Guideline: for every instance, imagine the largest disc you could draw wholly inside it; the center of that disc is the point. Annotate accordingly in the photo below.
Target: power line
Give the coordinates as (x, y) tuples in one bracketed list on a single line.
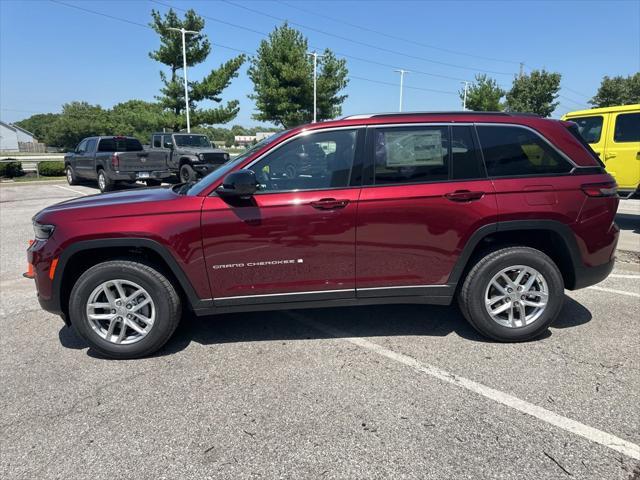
[(381, 82), (358, 42), (402, 39), (339, 54)]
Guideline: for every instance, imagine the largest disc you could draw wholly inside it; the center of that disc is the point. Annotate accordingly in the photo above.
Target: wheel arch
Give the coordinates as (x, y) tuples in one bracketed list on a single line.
[(85, 254), (549, 236)]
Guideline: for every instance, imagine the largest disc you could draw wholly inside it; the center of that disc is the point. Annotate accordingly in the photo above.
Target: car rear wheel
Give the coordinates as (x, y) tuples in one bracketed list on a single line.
[(124, 309), (187, 173), (71, 176), (512, 294), (105, 184)]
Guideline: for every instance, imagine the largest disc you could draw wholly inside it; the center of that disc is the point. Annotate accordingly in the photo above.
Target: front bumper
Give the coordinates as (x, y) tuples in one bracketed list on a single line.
[(205, 168)]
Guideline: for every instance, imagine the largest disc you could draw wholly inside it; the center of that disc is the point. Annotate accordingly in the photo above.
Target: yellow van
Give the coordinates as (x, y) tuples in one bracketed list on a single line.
[(614, 134)]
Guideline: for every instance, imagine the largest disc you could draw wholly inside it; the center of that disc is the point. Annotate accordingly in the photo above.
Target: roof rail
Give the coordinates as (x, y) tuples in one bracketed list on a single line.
[(465, 112)]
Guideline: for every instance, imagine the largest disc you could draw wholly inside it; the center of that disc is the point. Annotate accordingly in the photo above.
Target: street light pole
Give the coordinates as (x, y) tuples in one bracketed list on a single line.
[(184, 64), (315, 56), (401, 72), (464, 100)]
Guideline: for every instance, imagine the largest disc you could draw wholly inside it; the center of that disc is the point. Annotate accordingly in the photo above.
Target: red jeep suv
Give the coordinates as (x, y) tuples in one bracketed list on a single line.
[(501, 211)]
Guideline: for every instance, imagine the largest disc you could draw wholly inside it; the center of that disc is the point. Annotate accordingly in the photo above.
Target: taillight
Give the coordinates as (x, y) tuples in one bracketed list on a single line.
[(115, 161), (604, 189)]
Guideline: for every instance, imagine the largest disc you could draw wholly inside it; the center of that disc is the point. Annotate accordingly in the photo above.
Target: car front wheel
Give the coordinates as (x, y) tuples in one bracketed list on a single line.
[(71, 176), (187, 173), (124, 309), (512, 294)]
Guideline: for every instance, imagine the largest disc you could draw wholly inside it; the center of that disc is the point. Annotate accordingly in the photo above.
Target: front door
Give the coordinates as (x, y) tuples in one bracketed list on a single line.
[(295, 239), (425, 193), (622, 155)]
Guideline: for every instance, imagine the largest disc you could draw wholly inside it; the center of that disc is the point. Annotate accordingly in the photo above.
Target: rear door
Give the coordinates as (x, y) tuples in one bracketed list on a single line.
[(622, 155), (425, 193), (78, 155), (294, 240), (87, 161)]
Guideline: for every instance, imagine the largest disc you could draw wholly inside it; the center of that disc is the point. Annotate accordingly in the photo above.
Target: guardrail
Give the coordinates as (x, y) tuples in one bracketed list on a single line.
[(30, 163)]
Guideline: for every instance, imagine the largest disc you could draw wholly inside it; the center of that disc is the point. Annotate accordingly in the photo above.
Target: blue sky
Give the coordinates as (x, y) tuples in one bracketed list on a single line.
[(51, 54)]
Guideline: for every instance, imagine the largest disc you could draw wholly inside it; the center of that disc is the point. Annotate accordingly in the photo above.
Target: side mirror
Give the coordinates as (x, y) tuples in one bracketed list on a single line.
[(240, 184)]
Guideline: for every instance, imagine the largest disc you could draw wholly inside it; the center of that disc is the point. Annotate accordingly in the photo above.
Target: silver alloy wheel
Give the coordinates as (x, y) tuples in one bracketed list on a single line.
[(516, 296), (102, 182), (69, 176), (120, 311)]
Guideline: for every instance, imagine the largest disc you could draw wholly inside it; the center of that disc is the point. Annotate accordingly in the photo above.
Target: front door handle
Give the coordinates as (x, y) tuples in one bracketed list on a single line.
[(609, 155), (329, 204), (464, 196)]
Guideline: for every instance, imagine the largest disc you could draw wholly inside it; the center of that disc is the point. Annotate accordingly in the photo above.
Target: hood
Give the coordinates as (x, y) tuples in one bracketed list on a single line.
[(114, 199)]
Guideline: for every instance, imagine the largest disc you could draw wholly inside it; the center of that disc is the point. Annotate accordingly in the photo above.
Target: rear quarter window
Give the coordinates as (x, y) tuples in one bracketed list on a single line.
[(511, 151)]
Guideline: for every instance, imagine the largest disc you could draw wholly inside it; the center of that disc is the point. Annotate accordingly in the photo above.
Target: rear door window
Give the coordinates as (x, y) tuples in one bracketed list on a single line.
[(517, 151), (91, 145), (411, 155), (590, 128), (627, 128), (157, 143)]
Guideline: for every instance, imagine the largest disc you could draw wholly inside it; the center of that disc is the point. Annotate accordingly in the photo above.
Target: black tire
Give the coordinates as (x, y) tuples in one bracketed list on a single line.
[(105, 184), (162, 292), (153, 183), (471, 297), (187, 173), (72, 179)]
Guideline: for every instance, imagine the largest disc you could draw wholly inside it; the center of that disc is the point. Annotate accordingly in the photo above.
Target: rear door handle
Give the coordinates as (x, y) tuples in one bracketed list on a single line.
[(464, 196), (329, 204)]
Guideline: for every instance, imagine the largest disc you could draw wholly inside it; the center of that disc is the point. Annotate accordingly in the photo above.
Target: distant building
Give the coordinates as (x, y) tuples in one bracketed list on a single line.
[(244, 139), (16, 139), (263, 135)]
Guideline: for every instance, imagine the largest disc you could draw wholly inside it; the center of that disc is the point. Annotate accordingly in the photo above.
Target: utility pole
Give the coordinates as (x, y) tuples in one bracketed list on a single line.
[(401, 72), (315, 56), (521, 70), (464, 100), (184, 63)]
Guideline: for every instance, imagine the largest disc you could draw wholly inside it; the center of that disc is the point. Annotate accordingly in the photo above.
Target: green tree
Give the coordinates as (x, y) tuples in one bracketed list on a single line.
[(617, 91), (137, 118), (197, 49), (534, 93), (39, 124), (78, 120), (484, 95), (282, 75)]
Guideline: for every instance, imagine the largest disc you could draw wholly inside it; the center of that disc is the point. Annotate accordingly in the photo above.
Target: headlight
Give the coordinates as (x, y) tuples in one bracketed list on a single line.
[(43, 232), (201, 157), (226, 156)]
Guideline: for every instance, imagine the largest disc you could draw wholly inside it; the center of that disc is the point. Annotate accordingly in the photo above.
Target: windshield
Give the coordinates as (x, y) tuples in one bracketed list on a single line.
[(225, 168), (192, 141)]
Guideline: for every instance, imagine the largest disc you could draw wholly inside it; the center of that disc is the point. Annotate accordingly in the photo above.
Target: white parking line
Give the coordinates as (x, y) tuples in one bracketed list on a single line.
[(620, 275), (71, 190), (613, 290), (592, 434)]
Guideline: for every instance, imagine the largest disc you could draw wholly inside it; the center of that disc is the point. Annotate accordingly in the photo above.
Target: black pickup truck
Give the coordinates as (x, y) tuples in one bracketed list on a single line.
[(188, 155), (114, 159)]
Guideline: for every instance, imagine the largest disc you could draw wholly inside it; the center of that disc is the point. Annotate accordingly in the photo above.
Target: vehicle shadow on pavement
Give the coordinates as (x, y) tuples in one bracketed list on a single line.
[(627, 221), (370, 321)]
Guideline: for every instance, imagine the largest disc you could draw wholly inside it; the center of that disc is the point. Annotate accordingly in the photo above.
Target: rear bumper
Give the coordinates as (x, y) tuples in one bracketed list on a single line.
[(587, 276), (140, 175)]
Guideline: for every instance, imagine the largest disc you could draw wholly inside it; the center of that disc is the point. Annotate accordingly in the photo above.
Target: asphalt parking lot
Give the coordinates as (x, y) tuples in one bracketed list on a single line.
[(376, 392)]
